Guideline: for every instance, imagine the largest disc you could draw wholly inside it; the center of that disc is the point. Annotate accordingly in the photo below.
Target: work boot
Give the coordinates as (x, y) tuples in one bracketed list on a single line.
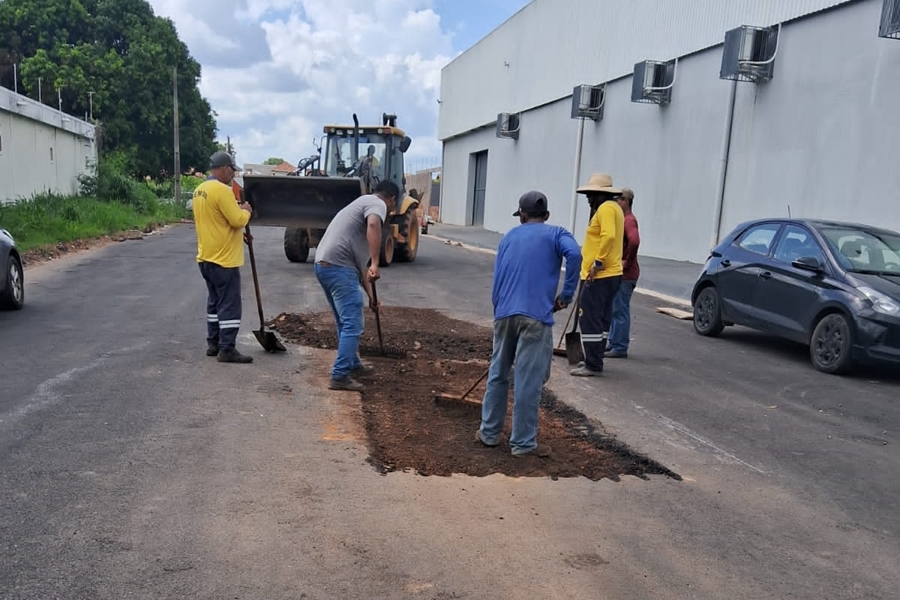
[(346, 384), (231, 355), (583, 371), (484, 443), (615, 354), (212, 349), (540, 451), (364, 369)]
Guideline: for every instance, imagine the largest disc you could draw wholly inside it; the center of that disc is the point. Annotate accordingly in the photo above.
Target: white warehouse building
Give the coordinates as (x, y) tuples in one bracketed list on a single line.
[(795, 112)]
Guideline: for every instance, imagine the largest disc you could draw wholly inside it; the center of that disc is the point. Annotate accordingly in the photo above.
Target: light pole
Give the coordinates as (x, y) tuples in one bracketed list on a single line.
[(177, 188)]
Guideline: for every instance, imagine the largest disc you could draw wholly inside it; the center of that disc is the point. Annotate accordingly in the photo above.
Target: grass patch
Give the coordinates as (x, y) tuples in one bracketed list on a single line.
[(49, 218)]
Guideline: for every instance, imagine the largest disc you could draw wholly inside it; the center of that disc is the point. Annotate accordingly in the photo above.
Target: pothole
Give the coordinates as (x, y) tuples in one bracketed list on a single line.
[(408, 431)]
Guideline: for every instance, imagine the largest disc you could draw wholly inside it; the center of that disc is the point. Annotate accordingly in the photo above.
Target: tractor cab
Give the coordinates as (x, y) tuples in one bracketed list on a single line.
[(372, 153)]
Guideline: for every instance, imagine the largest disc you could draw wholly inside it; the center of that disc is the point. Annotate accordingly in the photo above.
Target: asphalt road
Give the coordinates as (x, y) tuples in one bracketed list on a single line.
[(132, 466)]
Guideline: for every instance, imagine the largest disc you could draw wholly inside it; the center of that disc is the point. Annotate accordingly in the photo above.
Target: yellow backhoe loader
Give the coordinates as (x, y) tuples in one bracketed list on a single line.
[(355, 159)]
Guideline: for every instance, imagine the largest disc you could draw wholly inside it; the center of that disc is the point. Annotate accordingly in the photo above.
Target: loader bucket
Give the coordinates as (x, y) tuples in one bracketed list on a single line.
[(284, 201)]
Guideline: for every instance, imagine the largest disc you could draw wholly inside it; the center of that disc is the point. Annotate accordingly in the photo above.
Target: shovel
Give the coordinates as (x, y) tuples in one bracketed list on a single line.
[(266, 339), (558, 350), (381, 350), (574, 349)]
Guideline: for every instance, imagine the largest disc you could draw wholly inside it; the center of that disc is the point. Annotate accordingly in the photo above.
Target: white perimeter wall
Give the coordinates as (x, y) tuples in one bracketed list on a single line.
[(820, 137), (26, 164)]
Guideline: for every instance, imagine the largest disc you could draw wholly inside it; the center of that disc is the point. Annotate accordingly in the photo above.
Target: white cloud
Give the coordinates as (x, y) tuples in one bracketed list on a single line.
[(276, 71)]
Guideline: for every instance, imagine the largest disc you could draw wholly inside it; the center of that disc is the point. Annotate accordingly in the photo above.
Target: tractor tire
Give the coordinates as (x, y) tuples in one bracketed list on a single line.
[(407, 251), (387, 251), (296, 244)]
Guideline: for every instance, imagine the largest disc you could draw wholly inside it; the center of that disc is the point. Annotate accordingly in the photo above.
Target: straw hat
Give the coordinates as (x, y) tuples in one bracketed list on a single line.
[(599, 182)]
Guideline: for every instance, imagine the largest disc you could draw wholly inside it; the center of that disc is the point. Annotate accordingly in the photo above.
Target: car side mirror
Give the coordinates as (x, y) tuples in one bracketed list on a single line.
[(808, 263), (405, 143)]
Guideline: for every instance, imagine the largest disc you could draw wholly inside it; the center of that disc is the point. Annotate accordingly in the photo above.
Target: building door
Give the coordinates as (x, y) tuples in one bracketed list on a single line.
[(480, 188)]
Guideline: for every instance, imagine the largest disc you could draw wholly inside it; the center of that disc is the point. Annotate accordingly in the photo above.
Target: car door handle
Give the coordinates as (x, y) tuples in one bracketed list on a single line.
[(725, 263), (766, 274)]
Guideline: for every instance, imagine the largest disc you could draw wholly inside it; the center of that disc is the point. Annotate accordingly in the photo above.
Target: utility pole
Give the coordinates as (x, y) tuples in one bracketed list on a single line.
[(579, 141), (91, 104), (177, 142), (15, 78), (59, 91), (40, 99)]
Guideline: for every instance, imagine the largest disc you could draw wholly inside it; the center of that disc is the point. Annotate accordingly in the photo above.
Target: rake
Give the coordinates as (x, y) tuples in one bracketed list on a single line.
[(380, 349)]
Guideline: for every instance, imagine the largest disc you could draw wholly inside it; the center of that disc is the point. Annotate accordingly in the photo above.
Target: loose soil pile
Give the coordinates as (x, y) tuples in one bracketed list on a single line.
[(407, 429)]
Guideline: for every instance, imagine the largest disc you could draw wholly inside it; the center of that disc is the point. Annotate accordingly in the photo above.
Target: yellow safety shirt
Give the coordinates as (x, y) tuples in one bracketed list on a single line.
[(219, 222), (603, 241)]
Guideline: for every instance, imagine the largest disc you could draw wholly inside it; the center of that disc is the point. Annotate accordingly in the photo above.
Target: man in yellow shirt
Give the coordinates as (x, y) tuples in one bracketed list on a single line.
[(601, 270), (219, 221)]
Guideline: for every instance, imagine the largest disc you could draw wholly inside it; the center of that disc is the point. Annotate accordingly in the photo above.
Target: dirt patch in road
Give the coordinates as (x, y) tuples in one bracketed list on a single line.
[(408, 430)]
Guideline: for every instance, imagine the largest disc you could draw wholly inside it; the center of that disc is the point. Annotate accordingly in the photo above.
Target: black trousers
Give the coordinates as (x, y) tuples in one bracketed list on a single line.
[(223, 303), (595, 316)]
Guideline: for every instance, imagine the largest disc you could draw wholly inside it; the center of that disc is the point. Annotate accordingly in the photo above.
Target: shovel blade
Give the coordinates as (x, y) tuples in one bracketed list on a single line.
[(268, 341), (574, 349)]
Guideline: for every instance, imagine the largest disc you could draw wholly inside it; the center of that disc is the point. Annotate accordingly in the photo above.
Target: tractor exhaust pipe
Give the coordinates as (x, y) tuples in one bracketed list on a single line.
[(355, 151)]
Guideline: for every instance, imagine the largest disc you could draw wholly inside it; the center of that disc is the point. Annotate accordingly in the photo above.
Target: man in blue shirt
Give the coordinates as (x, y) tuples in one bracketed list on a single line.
[(526, 277)]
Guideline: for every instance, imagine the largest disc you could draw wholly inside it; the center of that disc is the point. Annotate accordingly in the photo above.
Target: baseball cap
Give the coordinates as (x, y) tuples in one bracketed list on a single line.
[(222, 159), (532, 203)]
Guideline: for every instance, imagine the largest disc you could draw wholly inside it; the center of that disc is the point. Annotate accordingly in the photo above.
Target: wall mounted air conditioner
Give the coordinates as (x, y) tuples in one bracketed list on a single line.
[(749, 53), (508, 125), (653, 81), (588, 101), (890, 20)]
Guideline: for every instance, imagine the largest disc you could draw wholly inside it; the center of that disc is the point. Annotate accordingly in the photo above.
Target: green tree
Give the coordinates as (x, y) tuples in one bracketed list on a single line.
[(114, 58), (273, 161)]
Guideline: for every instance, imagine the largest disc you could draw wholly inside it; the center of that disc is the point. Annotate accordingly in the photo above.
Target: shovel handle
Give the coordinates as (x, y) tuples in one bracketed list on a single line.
[(577, 306), (255, 279), (377, 318), (565, 327)]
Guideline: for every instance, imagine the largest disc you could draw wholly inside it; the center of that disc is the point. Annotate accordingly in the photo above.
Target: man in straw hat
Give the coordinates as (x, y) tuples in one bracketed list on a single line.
[(526, 277), (601, 270)]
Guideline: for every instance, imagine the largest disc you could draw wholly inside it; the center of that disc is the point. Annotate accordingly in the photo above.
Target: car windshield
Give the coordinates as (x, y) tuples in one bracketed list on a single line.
[(339, 153), (862, 251)]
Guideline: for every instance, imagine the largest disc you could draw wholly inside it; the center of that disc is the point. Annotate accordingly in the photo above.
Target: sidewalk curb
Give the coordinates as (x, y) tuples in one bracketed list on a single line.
[(458, 244), (639, 290)]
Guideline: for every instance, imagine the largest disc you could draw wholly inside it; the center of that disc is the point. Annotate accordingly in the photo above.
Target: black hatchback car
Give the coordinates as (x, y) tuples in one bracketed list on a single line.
[(832, 285), (12, 280)]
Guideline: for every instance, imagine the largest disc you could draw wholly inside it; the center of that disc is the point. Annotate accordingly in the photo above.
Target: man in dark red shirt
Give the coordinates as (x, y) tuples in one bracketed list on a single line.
[(620, 327)]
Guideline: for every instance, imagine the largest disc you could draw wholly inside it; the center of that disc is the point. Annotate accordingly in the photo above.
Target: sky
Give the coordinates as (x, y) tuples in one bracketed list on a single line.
[(276, 71)]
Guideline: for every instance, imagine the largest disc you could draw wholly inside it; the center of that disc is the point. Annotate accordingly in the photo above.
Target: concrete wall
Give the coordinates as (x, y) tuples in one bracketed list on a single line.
[(550, 46), (819, 137), (823, 135), (37, 155)]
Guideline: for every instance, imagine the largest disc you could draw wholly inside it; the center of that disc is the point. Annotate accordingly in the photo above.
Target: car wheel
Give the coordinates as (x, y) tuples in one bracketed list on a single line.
[(708, 313), (14, 295), (831, 346)]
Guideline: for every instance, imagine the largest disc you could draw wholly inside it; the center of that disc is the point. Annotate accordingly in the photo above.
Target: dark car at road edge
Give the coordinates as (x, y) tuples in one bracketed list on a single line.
[(829, 284), (12, 275)]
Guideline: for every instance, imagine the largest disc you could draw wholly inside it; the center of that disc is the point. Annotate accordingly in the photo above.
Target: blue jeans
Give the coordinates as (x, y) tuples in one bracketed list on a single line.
[(345, 296), (529, 344), (620, 326)]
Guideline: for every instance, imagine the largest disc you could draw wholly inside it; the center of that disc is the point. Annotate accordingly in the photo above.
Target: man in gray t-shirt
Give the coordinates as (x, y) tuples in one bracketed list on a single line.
[(347, 256)]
